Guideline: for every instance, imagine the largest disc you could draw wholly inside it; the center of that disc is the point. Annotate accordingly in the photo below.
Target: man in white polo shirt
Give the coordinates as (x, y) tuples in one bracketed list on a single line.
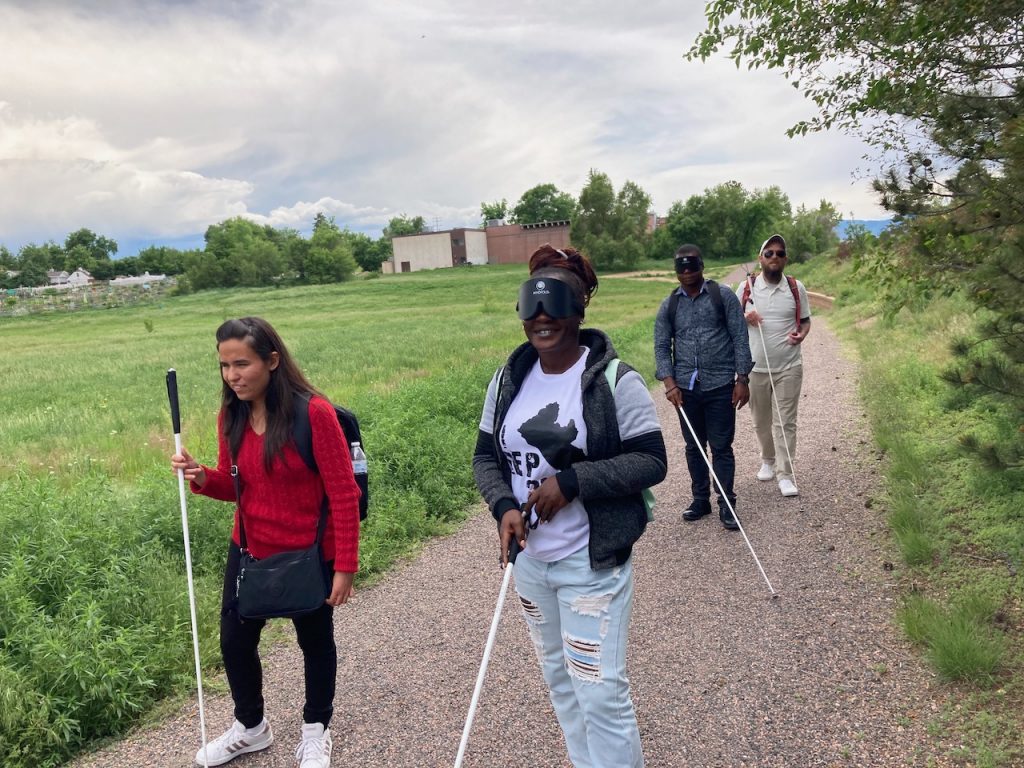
[(778, 320)]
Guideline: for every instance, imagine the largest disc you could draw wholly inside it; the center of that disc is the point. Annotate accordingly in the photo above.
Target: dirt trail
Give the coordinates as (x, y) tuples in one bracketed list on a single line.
[(722, 674)]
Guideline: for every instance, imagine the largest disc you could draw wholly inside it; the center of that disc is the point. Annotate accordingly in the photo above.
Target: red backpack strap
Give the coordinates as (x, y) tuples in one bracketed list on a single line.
[(747, 284), (796, 298)]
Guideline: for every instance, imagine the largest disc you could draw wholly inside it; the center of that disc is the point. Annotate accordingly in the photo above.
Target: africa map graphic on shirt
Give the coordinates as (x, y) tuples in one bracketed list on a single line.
[(552, 439)]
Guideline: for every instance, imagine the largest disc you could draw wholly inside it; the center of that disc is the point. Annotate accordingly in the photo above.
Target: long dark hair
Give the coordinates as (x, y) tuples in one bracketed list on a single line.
[(286, 382)]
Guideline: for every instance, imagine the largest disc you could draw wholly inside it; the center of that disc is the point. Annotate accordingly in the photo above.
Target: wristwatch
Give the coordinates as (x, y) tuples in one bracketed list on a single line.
[(742, 378)]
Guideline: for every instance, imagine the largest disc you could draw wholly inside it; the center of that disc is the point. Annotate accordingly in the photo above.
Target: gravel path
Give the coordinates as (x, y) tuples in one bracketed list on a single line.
[(722, 674)]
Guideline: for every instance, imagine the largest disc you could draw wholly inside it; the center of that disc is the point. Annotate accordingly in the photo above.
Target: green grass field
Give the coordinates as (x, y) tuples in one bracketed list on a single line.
[(94, 626)]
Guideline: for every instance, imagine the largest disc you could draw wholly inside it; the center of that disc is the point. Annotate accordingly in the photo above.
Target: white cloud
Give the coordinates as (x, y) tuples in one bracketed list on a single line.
[(163, 118)]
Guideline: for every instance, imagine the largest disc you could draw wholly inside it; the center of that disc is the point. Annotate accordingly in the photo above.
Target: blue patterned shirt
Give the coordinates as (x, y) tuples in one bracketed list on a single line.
[(708, 351)]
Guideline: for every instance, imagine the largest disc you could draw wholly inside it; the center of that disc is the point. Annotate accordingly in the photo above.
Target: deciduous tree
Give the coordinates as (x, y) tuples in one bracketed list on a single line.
[(330, 257), (238, 252), (85, 249), (496, 210), (726, 221), (34, 261), (611, 228), (811, 231), (544, 202)]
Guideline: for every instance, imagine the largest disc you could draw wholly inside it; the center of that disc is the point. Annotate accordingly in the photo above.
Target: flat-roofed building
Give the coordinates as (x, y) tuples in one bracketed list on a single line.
[(435, 250), (513, 243)]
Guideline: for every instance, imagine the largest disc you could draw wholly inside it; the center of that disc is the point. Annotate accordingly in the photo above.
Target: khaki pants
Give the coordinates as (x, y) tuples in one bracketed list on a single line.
[(768, 426)]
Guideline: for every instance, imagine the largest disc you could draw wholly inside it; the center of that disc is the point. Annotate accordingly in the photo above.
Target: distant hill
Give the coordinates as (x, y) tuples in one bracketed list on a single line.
[(874, 226)]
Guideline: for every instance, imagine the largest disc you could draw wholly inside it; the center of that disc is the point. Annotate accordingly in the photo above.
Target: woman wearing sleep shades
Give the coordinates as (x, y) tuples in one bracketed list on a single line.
[(562, 458)]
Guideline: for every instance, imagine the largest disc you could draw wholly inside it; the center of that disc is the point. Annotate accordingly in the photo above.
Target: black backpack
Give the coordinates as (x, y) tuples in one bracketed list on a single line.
[(302, 434)]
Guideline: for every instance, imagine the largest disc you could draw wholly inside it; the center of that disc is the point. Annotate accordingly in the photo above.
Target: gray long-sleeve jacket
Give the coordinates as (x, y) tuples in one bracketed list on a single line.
[(625, 449), (705, 347)]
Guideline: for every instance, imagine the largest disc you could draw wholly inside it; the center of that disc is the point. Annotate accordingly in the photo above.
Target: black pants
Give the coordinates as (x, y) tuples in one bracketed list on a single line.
[(714, 420), (239, 647)]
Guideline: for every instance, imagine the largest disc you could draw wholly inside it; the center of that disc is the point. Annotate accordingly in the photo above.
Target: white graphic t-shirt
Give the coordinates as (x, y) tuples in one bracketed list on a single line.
[(543, 433)]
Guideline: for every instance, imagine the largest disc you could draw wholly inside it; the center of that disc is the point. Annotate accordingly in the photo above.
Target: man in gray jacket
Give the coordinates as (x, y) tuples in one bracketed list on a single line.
[(702, 355)]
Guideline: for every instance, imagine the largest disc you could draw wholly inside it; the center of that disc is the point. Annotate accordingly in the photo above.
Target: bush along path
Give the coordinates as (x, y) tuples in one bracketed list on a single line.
[(722, 675)]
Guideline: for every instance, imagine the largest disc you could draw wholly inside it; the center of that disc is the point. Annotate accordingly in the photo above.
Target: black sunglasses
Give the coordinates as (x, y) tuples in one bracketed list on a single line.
[(768, 254)]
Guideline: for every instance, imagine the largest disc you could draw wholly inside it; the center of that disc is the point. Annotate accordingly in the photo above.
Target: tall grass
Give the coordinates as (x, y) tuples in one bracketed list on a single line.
[(94, 624), (958, 525), (959, 640)]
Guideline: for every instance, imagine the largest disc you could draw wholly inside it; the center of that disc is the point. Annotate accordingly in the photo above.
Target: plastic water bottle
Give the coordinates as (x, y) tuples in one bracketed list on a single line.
[(358, 459)]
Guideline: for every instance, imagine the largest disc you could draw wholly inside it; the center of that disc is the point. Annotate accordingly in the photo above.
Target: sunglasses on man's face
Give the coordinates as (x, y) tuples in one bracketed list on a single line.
[(769, 253)]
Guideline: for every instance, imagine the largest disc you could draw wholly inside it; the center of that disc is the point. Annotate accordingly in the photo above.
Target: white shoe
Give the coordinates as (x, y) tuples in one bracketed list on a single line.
[(315, 748), (235, 741), (788, 488), (767, 471)]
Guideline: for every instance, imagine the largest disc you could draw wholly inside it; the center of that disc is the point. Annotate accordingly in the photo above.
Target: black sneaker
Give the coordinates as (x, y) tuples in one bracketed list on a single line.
[(697, 509), (728, 520)]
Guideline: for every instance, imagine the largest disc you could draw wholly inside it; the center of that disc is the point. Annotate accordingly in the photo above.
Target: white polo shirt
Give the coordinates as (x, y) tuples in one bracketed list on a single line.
[(778, 312)]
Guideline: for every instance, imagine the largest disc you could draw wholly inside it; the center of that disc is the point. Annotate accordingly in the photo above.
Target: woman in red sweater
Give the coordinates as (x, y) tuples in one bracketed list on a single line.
[(281, 498)]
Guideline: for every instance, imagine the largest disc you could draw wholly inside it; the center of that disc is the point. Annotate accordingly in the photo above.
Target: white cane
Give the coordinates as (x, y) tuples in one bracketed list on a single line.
[(172, 396), (725, 496), (513, 550)]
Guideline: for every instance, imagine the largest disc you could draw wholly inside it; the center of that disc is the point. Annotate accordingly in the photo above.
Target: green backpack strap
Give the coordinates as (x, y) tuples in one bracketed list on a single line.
[(611, 374)]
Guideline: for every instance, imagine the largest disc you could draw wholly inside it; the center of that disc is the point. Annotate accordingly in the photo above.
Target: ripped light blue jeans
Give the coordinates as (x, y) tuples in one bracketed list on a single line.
[(579, 621)]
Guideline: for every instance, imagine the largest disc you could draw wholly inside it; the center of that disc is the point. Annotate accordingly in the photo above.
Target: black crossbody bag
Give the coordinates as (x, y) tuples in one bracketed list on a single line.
[(287, 584)]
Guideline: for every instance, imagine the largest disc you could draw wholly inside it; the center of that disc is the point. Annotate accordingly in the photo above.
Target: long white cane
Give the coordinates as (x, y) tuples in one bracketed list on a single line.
[(725, 496), (172, 396), (513, 550)]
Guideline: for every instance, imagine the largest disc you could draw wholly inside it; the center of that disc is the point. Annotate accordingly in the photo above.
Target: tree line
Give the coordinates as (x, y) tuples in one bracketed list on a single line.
[(727, 221), (237, 252)]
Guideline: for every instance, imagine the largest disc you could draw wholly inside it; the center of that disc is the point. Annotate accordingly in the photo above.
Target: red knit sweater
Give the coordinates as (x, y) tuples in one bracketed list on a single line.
[(282, 508)]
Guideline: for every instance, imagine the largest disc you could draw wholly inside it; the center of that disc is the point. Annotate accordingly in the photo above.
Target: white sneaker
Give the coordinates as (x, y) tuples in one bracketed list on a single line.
[(315, 748), (767, 471), (788, 488), (235, 741)]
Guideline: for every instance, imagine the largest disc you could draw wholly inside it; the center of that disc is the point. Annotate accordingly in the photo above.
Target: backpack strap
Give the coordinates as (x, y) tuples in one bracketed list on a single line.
[(796, 298), (793, 288), (715, 293), (302, 431), (611, 375)]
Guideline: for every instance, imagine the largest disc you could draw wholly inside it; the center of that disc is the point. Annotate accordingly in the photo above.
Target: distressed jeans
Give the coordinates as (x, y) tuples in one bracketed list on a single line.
[(579, 622)]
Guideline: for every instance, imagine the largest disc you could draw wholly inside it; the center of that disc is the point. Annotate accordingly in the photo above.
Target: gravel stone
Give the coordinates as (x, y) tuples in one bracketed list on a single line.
[(723, 674)]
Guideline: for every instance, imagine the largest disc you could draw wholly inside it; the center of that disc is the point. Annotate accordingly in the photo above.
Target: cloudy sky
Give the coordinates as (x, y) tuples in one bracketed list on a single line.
[(149, 121)]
